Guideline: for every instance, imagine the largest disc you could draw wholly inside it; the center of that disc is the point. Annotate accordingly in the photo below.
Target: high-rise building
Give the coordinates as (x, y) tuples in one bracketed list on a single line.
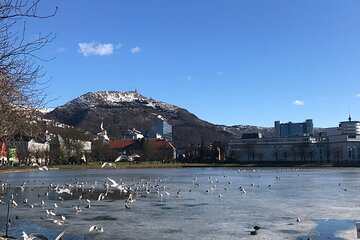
[(291, 129), (163, 129)]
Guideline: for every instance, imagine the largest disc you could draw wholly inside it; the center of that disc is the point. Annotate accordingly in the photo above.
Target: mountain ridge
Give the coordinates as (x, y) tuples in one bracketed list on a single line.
[(120, 111)]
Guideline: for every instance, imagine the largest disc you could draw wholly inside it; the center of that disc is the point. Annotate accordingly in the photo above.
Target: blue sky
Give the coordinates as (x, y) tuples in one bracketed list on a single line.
[(228, 62)]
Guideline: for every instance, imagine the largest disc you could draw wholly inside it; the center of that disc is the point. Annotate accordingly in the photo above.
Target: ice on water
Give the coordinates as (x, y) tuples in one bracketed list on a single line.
[(209, 205)]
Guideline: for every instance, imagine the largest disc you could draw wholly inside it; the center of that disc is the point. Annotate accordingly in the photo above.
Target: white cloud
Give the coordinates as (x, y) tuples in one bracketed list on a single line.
[(135, 50), (298, 103), (98, 49), (357, 95)]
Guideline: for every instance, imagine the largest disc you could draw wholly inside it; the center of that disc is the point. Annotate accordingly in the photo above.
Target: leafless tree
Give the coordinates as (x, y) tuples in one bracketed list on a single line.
[(275, 153), (285, 154), (22, 86)]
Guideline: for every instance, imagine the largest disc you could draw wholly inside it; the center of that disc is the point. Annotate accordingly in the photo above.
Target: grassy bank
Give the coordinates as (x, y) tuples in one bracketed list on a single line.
[(126, 165)]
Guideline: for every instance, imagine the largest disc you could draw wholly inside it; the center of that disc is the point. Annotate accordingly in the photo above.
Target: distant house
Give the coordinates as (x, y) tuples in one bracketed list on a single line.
[(213, 153), (132, 134), (38, 150), (125, 146), (164, 148)]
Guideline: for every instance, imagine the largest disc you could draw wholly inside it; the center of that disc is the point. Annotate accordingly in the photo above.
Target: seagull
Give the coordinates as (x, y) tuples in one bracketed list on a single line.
[(130, 199), (118, 159), (60, 235), (114, 184), (242, 189), (96, 229), (14, 203), (32, 236), (83, 158), (101, 196), (41, 237), (77, 209), (109, 164), (50, 212), (63, 190), (40, 168), (58, 222)]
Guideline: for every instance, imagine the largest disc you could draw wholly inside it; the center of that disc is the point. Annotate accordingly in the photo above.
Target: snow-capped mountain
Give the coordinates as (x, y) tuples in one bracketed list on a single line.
[(117, 99), (121, 111)]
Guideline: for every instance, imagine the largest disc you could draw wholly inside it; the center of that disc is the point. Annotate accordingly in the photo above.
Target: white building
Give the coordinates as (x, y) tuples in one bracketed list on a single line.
[(335, 144), (132, 134), (345, 141)]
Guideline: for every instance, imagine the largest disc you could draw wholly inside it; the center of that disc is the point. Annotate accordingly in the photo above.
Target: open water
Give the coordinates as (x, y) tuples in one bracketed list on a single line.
[(209, 205)]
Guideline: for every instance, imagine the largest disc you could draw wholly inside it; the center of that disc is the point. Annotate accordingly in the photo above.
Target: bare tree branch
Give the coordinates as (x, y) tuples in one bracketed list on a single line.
[(21, 88)]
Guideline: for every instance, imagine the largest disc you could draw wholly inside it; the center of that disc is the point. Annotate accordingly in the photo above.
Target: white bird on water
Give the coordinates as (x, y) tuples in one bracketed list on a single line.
[(39, 236), (44, 168), (96, 229), (114, 183), (101, 196)]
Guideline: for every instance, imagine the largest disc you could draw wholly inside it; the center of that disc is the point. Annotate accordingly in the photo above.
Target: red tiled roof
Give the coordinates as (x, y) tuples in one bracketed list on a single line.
[(160, 143), (121, 143)]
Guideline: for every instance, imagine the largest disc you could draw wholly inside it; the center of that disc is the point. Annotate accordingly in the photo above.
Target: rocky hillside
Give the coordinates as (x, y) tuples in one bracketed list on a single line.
[(120, 111)]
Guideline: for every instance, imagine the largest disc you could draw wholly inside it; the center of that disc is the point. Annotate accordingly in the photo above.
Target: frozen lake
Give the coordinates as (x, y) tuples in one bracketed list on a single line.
[(210, 204)]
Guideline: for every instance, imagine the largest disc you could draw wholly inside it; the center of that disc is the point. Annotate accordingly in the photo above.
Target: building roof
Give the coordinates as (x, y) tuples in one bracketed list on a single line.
[(121, 143), (160, 143)]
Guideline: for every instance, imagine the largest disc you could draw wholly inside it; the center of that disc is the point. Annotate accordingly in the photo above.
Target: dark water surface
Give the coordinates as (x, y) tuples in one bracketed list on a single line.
[(210, 204)]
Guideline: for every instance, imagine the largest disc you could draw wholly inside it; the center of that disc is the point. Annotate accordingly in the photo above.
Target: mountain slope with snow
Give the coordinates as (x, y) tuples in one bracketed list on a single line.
[(120, 111)]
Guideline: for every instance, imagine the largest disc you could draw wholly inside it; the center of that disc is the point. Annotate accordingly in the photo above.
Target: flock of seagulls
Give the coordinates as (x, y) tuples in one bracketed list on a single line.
[(84, 195)]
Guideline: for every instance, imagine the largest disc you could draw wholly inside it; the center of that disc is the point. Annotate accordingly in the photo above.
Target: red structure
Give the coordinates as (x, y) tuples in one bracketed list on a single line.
[(3, 153)]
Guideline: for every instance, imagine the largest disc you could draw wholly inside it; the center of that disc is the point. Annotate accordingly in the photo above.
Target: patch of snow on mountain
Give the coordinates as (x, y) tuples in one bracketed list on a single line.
[(128, 97), (116, 97), (113, 98), (45, 110)]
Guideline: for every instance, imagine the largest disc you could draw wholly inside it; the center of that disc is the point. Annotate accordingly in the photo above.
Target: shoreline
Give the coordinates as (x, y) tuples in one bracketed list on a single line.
[(186, 165)]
